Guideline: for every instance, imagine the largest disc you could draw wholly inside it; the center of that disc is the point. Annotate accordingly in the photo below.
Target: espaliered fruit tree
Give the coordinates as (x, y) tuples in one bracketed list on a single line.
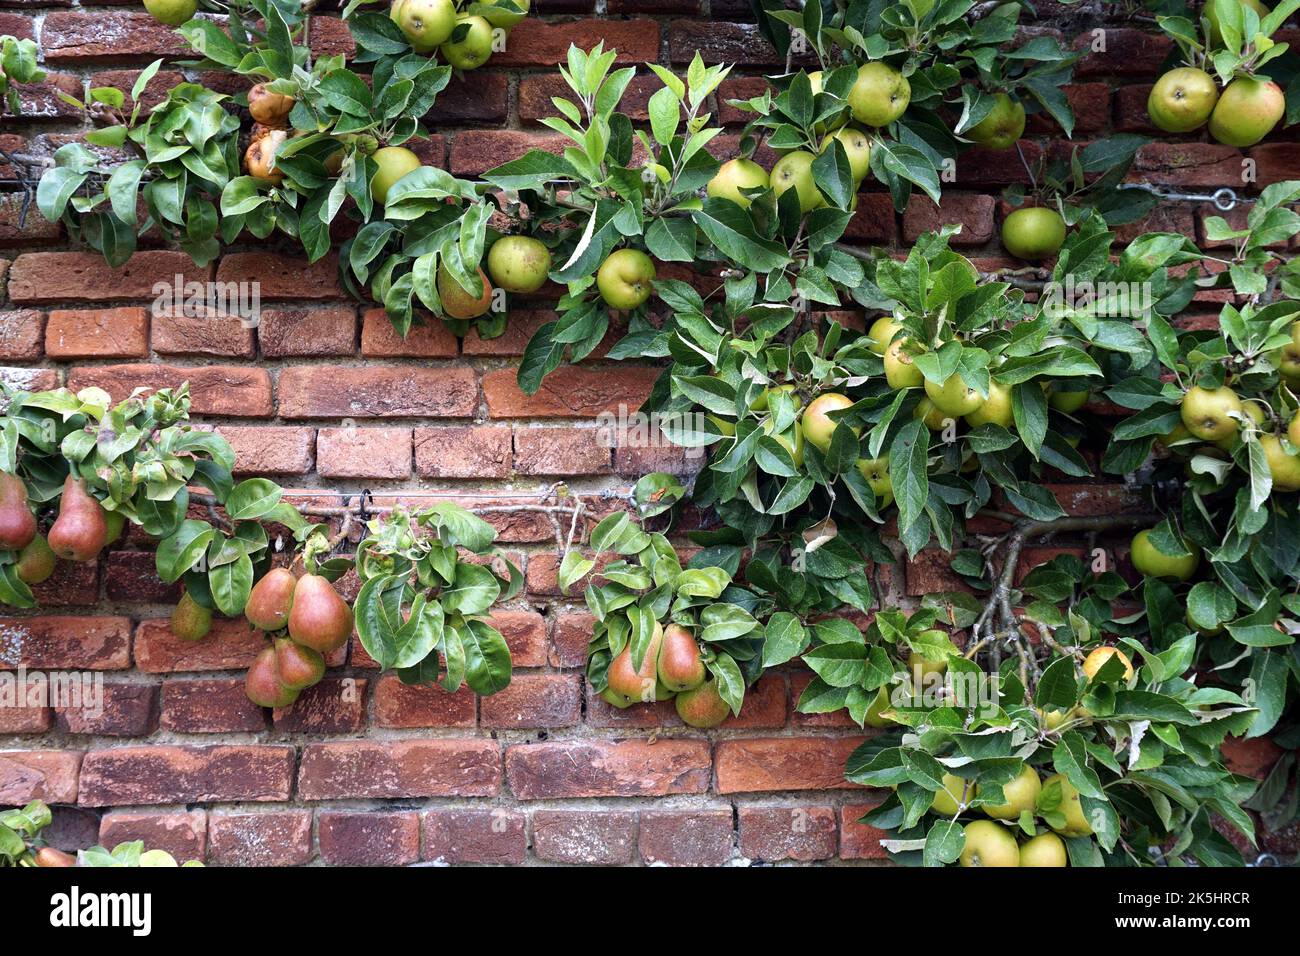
[(1059, 716)]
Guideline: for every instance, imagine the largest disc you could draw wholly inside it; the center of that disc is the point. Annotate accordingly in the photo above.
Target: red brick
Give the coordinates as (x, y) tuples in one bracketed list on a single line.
[(320, 391), (659, 454), (535, 700), (186, 775), (642, 716), (740, 44), (601, 768), (369, 839), (1091, 105), (283, 333), (398, 769), (1250, 757), (133, 576), (874, 221), (423, 705), (65, 643), (739, 88), (1128, 52), (84, 37), (97, 333), (839, 718), (474, 152), (525, 634), (283, 277), (78, 276), (280, 838), (210, 707), (1131, 110), (569, 392), (30, 379), (1188, 164), (337, 705), (860, 841), (34, 230), (214, 389), (155, 90), (271, 449), (21, 334), (72, 829), (41, 101), (128, 710), (364, 452), (479, 97), (429, 339), (182, 833), (589, 837), (475, 836), (569, 638), (764, 706), (330, 36), (462, 451), (534, 42), (535, 93), (783, 763), (686, 837), (73, 583), (990, 167), (1169, 217), (973, 212), (230, 645), (25, 707), (49, 775), (522, 326), (1091, 500), (770, 834), (930, 572), (561, 451), (1275, 162), (217, 335)]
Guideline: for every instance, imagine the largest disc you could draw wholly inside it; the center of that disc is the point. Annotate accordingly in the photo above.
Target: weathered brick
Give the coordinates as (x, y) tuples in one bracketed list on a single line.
[(369, 839), (600, 768), (787, 833), (363, 452), (534, 42), (86, 37), (73, 584), (182, 833), (126, 710), (133, 576), (783, 763), (589, 837), (561, 451), (397, 769), (569, 392), (215, 335), (24, 707), (49, 775), (428, 339), (971, 211), (283, 277), (84, 276), (1250, 757), (218, 706), (479, 97), (231, 644), (570, 635), (285, 333), (21, 335), (1275, 162), (97, 333), (475, 836), (318, 391), (525, 634), (271, 449), (279, 838), (463, 451), (54, 642), (686, 837), (186, 775), (1188, 164), (1121, 51), (737, 43), (422, 705), (535, 700), (29, 379), (860, 841), (474, 152), (238, 392), (334, 706)]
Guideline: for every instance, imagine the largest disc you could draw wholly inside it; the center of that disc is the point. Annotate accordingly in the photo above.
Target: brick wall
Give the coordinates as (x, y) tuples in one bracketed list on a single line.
[(323, 396)]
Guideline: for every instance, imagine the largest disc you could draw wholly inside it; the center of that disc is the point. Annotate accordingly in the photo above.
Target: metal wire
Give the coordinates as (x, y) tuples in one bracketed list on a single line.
[(1224, 199)]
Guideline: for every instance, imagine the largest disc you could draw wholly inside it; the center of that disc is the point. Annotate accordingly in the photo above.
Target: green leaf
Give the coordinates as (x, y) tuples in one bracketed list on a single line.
[(253, 498)]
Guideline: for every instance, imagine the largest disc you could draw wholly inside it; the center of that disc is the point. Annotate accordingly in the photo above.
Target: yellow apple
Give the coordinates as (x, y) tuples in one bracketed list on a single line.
[(794, 171), (1284, 468), (1151, 562), (989, 844), (954, 796), (879, 95), (876, 473), (996, 410), (857, 145), (900, 371), (953, 397), (625, 278), (1019, 795), (882, 333), (1046, 849), (734, 176), (1098, 657), (1076, 824), (817, 428), (1247, 111), (1182, 100), (1205, 412)]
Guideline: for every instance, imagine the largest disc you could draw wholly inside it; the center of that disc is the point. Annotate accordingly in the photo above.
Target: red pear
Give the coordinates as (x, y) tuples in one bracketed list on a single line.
[(80, 531), (636, 685), (17, 523), (269, 601), (703, 706), (263, 684), (48, 856), (680, 665), (320, 619), (300, 667)]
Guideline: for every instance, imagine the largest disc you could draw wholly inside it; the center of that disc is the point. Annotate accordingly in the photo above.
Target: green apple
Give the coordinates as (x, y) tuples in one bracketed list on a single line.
[(1033, 232), (876, 709), (172, 12), (1182, 100), (1207, 412), (1255, 412), (499, 16), (996, 410), (1068, 400), (791, 438), (817, 80), (882, 333), (875, 471), (426, 24), (1284, 468), (458, 302), (1097, 658), (760, 404), (1076, 824), (1051, 719), (900, 371), (1153, 563), (1002, 127), (1293, 430), (394, 162), (519, 263), (1247, 111), (473, 49), (953, 397), (1215, 36), (857, 145), (817, 428), (1046, 849), (933, 418), (625, 278), (989, 844), (794, 171), (1287, 360), (736, 175), (953, 797), (1019, 794), (879, 95)]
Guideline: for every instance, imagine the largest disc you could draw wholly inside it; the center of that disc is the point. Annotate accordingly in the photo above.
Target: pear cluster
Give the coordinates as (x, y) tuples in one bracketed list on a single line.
[(672, 668), (79, 532)]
